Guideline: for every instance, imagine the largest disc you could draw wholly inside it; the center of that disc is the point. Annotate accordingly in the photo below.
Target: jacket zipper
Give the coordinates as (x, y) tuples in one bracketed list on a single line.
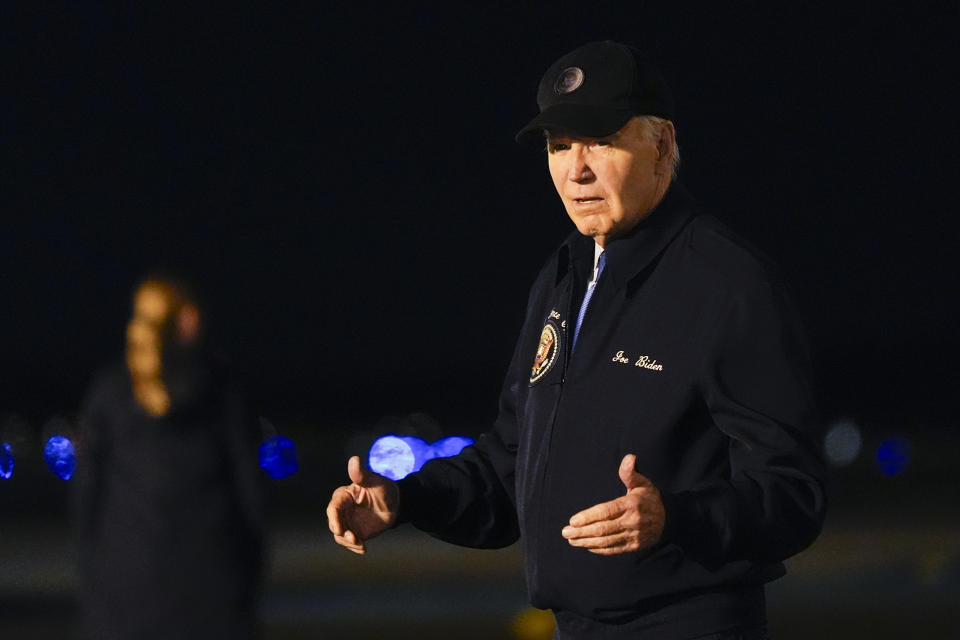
[(541, 480)]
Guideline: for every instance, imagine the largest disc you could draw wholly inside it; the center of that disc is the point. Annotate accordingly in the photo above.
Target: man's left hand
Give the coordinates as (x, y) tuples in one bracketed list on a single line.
[(630, 523)]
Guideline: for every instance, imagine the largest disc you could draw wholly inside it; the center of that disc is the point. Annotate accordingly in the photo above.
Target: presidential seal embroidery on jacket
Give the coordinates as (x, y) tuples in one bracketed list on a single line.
[(547, 351)]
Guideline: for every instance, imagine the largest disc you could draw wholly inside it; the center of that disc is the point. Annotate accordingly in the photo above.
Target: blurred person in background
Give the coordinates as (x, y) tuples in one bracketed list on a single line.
[(167, 499)]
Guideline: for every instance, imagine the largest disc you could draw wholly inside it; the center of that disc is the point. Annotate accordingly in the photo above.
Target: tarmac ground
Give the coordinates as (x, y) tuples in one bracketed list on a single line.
[(859, 580)]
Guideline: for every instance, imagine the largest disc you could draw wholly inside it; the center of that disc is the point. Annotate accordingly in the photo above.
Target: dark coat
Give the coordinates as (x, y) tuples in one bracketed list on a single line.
[(168, 513)]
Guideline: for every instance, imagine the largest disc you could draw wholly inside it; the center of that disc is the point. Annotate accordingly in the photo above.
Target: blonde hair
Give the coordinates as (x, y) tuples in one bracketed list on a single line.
[(156, 304)]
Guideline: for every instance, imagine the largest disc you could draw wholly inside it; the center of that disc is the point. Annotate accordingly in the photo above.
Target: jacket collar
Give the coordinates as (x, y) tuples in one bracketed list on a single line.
[(631, 254)]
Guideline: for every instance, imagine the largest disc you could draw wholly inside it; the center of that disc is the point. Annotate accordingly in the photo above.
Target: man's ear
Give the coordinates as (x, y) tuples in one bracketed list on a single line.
[(665, 144)]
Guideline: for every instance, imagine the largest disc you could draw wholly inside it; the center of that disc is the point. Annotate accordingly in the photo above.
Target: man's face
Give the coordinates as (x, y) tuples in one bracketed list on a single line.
[(609, 184)]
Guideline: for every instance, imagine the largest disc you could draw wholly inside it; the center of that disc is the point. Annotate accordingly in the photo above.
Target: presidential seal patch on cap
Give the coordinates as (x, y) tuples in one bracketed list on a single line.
[(569, 80), (547, 351)]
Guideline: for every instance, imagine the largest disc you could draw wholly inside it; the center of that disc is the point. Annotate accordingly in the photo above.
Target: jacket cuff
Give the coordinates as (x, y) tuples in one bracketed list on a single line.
[(413, 499), (682, 515)]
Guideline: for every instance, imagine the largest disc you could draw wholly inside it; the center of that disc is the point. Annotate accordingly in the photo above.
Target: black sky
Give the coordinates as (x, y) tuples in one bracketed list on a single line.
[(344, 186)]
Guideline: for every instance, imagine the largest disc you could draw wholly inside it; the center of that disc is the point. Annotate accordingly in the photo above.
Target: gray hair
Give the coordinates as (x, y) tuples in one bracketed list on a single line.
[(652, 128)]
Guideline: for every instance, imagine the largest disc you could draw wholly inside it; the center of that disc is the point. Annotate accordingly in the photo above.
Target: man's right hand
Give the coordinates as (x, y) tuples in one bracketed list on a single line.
[(363, 509)]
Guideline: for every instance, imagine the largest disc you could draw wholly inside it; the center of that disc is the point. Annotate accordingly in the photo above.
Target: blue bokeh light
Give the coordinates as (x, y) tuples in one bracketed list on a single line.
[(392, 457), (278, 457), (422, 452), (893, 455), (451, 446), (398, 456), (6, 461), (60, 456)]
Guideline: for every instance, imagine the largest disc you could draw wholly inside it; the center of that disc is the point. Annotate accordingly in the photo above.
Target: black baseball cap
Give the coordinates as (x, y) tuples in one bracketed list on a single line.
[(595, 89)]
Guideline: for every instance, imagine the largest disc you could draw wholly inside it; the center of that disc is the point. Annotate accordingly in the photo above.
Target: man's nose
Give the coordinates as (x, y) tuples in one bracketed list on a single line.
[(579, 169)]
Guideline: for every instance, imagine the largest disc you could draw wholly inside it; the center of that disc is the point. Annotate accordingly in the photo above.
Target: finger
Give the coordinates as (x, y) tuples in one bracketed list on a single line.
[(345, 541), (616, 550), (353, 540), (629, 476), (338, 500), (602, 542), (597, 529), (333, 520), (597, 513), (628, 465), (355, 471), (350, 544), (341, 497)]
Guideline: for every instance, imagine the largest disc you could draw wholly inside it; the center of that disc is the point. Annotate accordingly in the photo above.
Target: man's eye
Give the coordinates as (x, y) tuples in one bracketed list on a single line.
[(557, 146), (602, 143)]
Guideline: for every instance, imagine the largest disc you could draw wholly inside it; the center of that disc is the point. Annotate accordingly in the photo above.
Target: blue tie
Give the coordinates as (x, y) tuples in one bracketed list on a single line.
[(601, 261)]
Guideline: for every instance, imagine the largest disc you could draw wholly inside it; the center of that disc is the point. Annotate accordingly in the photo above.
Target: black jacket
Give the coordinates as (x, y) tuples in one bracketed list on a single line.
[(691, 357)]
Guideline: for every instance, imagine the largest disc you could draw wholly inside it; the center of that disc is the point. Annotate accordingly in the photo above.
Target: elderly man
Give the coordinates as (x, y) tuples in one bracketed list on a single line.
[(655, 448)]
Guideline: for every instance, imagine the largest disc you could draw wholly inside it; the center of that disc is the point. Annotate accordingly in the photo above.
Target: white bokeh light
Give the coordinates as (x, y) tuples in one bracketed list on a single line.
[(391, 457), (842, 443)]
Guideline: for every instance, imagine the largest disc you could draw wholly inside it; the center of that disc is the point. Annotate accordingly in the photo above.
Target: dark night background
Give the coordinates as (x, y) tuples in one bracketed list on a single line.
[(343, 184)]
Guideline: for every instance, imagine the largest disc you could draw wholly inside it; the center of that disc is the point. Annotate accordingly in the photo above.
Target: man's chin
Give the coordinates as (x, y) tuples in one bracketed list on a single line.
[(590, 229), (595, 232)]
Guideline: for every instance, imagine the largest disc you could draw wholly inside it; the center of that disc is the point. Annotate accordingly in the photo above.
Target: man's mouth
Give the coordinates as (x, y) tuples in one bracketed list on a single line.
[(587, 200)]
